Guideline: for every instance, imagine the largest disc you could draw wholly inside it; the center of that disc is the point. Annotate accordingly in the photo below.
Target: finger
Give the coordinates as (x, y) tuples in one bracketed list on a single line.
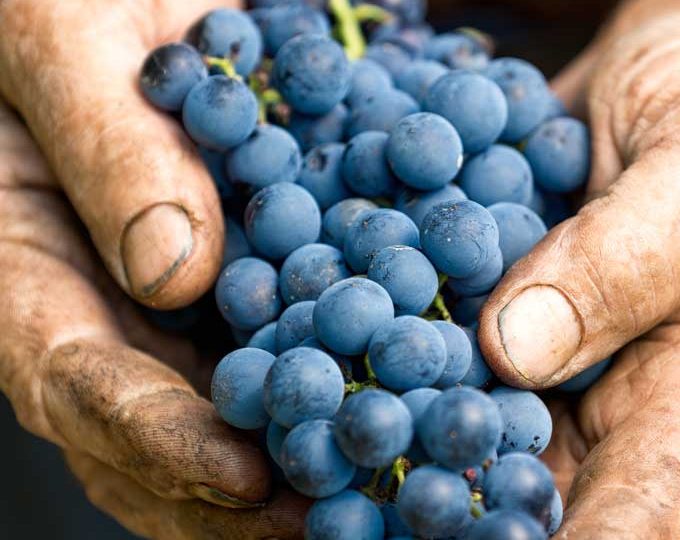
[(136, 181), (593, 284), (148, 515)]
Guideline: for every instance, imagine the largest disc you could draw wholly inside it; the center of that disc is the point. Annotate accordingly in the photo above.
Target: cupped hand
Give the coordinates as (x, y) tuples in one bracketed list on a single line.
[(607, 279)]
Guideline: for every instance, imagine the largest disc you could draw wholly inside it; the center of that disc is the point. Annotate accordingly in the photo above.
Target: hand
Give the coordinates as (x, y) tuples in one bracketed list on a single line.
[(81, 367), (607, 278)]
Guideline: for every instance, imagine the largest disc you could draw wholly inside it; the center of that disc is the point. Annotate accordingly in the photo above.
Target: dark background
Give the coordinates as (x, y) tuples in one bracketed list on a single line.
[(39, 497)]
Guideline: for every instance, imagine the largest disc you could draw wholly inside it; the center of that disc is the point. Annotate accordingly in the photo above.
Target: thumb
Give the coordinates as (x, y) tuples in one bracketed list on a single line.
[(594, 283)]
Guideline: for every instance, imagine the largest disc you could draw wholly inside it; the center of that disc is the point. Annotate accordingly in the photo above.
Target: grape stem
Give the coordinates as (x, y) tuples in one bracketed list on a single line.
[(440, 306), (348, 28), (224, 64), (369, 370), (370, 489), (399, 470), (371, 13)]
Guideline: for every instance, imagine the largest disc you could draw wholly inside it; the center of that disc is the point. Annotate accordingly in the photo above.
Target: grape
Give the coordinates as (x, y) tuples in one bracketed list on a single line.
[(377, 229), (586, 378), (349, 515), (373, 428), (559, 153), (520, 229), (424, 151), (270, 155), (369, 79), (407, 276), (506, 525), (311, 131), (392, 56), (527, 94), (339, 217), (408, 11), (169, 72), (232, 34), (527, 425), (303, 384), (349, 312), (321, 174), (265, 338), (556, 513), (247, 293), (459, 237), (380, 113), (280, 218), (294, 325), (474, 419), (473, 104), (309, 271), (236, 244), (457, 51), (214, 162), (434, 502), (413, 37), (394, 525), (466, 310), (219, 112), (312, 461), (556, 108), (344, 363), (419, 76), (418, 401), (364, 165), (483, 281), (285, 22), (236, 388), (479, 375), (416, 204), (407, 353), (458, 354), (312, 73), (276, 434), (519, 481)]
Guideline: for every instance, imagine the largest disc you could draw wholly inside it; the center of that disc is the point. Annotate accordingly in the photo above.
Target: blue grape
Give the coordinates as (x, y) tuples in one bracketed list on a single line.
[(265, 338), (285, 22), (559, 154), (483, 281), (392, 56), (280, 218), (586, 378), (418, 77), (520, 229), (313, 463), (458, 354), (270, 155), (232, 34), (312, 73), (311, 131), (344, 363), (407, 276), (364, 165), (407, 353), (214, 162), (294, 325), (349, 515), (247, 293), (380, 113), (418, 401), (459, 237), (241, 337), (499, 174), (519, 481), (349, 312), (434, 502), (527, 425), (169, 73), (394, 525), (556, 108), (339, 217), (276, 434), (303, 384), (236, 244), (416, 204), (526, 92), (373, 428), (236, 388), (369, 79), (412, 37), (375, 230), (474, 104), (321, 174), (506, 525), (556, 513), (424, 151), (466, 310), (457, 51), (469, 413), (219, 112), (309, 271), (479, 375), (409, 11)]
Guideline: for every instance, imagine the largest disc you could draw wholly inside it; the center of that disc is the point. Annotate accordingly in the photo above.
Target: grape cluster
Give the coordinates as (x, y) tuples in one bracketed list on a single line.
[(351, 254)]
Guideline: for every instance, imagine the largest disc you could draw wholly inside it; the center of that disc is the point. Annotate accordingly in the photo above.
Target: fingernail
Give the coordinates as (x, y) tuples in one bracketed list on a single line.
[(215, 496), (541, 331), (154, 246)]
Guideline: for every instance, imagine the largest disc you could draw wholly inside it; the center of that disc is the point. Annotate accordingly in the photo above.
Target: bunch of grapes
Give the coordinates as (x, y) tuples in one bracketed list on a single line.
[(335, 132)]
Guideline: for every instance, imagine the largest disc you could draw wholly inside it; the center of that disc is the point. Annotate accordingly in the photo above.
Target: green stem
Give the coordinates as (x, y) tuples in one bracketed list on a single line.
[(369, 369), (224, 64), (475, 511), (440, 306), (370, 489), (399, 470), (371, 13), (443, 278), (348, 28)]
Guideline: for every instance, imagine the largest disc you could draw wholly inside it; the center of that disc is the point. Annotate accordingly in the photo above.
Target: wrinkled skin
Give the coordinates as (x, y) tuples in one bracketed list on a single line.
[(83, 370)]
